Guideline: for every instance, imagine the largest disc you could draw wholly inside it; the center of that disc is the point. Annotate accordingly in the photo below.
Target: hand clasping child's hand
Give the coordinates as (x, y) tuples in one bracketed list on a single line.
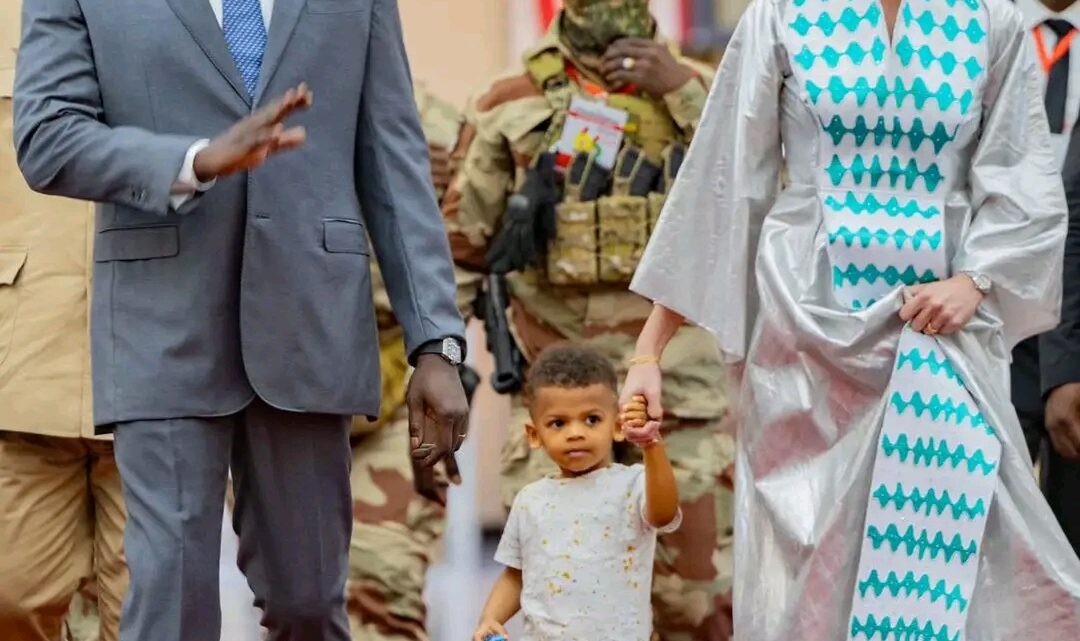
[(638, 428)]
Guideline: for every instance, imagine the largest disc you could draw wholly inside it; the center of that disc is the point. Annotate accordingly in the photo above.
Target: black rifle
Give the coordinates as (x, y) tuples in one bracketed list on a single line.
[(509, 374)]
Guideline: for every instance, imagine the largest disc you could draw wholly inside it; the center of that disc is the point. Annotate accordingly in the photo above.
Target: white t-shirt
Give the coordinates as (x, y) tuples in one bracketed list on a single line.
[(586, 555)]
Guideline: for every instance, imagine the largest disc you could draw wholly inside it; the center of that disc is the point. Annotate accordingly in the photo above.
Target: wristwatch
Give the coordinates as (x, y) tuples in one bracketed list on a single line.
[(449, 348), (982, 281)]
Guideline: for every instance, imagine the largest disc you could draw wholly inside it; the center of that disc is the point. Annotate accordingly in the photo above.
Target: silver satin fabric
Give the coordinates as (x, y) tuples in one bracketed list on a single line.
[(746, 259)]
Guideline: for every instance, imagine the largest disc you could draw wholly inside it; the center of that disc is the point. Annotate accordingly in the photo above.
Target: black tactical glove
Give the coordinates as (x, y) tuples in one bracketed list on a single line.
[(529, 219)]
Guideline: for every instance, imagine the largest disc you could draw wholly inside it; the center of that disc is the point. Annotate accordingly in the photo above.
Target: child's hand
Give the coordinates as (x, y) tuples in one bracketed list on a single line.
[(490, 629), (638, 428)]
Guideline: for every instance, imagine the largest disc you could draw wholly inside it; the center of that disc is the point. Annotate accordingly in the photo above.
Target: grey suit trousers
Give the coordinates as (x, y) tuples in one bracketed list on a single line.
[(293, 515)]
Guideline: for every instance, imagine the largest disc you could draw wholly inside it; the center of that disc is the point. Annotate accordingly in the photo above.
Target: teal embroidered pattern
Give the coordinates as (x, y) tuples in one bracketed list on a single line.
[(947, 410), (923, 545), (871, 205), (919, 92), (926, 57), (872, 273), (950, 26), (849, 19), (894, 135), (939, 366), (930, 502), (873, 172), (866, 237), (921, 587), (902, 630), (934, 453), (832, 57), (895, 119)]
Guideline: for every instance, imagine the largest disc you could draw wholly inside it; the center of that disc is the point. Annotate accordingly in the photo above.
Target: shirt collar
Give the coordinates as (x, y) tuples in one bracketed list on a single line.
[(1035, 13)]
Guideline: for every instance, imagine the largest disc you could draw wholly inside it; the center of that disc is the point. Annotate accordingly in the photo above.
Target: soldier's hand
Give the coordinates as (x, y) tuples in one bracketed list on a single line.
[(647, 64), (252, 140), (442, 170), (1063, 420)]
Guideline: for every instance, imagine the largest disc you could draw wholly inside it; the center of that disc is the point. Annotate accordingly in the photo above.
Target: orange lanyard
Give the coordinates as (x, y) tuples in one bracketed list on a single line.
[(1048, 60), (592, 88)]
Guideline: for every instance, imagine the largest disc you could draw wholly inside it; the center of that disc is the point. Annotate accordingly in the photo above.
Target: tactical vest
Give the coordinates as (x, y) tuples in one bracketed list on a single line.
[(600, 242)]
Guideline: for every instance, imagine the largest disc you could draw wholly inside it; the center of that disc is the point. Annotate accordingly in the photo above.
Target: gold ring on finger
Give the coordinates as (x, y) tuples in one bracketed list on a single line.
[(931, 330)]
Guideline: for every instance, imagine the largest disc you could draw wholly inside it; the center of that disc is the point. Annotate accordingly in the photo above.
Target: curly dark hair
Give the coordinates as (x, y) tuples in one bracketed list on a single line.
[(570, 366)]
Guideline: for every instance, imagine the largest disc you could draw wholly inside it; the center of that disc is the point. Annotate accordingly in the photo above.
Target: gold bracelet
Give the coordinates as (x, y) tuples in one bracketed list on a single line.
[(644, 360)]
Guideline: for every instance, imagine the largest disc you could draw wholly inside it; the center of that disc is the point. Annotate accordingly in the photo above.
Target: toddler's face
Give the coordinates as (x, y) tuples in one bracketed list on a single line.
[(576, 426)]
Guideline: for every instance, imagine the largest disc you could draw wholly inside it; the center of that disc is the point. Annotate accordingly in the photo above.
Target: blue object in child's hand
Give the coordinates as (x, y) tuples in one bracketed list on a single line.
[(494, 637)]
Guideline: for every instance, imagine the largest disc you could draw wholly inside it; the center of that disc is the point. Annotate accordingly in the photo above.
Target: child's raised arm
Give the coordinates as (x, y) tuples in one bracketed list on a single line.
[(661, 493), (502, 605)]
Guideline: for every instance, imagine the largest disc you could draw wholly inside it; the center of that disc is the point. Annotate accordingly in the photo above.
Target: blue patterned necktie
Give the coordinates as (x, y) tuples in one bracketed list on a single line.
[(245, 33)]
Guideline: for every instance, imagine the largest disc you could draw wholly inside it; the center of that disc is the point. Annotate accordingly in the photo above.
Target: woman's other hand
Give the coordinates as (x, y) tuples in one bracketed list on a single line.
[(944, 307)]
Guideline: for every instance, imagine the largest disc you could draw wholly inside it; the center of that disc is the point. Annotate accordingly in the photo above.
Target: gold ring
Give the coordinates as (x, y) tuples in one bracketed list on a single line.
[(931, 330), (628, 63)]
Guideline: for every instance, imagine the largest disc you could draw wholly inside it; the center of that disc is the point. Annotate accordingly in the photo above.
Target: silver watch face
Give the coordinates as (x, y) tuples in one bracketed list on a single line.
[(982, 282), (451, 349)]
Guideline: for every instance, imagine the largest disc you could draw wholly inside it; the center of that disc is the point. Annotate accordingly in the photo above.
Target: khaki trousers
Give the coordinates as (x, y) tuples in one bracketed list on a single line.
[(61, 524)]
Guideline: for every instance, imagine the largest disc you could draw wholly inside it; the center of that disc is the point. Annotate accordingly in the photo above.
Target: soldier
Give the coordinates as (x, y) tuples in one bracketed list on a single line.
[(61, 511), (601, 67), (398, 520)]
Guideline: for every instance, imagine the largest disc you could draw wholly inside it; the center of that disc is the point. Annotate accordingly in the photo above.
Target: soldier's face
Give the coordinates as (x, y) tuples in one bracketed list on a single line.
[(609, 20)]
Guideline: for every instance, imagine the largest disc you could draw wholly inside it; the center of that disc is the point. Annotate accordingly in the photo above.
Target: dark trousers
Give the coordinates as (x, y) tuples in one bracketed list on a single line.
[(1060, 478), (293, 515)]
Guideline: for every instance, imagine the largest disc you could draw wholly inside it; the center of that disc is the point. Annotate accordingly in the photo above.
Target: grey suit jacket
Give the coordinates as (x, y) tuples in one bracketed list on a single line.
[(261, 285)]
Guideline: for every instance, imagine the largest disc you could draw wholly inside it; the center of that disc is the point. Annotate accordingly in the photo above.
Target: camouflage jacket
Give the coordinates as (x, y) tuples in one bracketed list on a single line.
[(505, 130)]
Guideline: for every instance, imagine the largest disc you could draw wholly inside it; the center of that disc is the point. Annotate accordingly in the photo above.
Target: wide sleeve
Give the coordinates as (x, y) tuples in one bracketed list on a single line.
[(700, 258), (1059, 349), (1017, 232)]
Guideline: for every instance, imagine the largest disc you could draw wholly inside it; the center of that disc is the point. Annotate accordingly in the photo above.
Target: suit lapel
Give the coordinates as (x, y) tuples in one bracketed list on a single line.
[(282, 23), (200, 22)]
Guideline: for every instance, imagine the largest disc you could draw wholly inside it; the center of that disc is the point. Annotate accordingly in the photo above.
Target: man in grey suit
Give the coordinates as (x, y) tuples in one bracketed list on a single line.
[(232, 314)]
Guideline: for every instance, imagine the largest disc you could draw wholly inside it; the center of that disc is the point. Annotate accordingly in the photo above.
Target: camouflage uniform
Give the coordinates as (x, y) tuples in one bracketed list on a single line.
[(395, 530), (508, 126)]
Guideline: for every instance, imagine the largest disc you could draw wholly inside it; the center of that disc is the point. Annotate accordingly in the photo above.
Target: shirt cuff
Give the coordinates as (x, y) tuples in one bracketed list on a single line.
[(687, 103), (187, 185)]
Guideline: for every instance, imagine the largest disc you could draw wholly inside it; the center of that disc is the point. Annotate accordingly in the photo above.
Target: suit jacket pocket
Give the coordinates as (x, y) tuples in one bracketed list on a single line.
[(137, 243), (336, 6), (345, 237), (12, 260)]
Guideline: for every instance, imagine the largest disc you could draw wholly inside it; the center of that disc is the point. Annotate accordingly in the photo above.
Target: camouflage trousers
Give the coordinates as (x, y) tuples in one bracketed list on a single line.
[(692, 575), (61, 527), (396, 534)]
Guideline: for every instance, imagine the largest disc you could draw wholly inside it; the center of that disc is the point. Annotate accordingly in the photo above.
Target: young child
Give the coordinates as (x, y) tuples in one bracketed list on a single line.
[(578, 547)]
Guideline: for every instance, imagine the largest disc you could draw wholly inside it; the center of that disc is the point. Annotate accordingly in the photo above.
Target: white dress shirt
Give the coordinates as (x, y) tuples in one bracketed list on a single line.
[(1035, 13), (187, 185)]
